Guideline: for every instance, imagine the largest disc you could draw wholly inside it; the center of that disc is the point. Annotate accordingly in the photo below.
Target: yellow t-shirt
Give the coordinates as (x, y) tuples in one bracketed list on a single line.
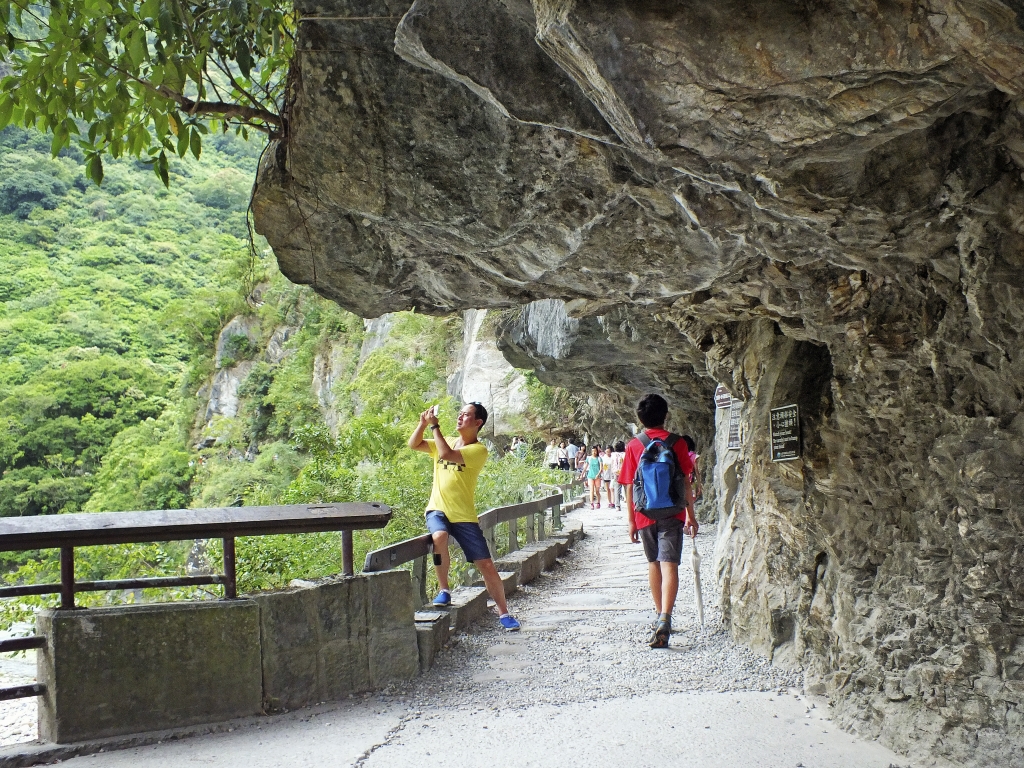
[(455, 484)]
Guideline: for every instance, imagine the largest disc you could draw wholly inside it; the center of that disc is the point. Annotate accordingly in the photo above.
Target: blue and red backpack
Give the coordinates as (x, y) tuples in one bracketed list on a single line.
[(659, 486)]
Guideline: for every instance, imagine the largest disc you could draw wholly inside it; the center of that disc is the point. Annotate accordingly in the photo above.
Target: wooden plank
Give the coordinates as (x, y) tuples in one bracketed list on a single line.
[(395, 555), (492, 517), (86, 529), (22, 691), (410, 549), (22, 644)]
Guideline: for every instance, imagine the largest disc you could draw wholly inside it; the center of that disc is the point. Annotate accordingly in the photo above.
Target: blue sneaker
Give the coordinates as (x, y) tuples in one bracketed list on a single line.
[(443, 598), (510, 624)]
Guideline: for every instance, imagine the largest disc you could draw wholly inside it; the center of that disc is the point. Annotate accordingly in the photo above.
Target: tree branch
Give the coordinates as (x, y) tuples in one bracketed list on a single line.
[(223, 109)]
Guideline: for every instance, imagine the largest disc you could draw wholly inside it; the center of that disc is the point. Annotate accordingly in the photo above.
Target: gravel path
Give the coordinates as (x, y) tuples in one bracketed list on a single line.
[(585, 631), (18, 716)]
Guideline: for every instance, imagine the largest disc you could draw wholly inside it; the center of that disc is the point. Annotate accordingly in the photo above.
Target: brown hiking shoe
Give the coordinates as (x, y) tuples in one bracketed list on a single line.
[(661, 632)]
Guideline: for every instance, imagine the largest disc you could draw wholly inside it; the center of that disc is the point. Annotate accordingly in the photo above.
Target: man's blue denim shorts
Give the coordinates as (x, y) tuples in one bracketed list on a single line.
[(469, 535)]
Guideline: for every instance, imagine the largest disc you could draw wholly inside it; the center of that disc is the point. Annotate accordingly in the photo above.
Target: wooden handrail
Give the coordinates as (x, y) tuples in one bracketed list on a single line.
[(412, 549), (88, 529)]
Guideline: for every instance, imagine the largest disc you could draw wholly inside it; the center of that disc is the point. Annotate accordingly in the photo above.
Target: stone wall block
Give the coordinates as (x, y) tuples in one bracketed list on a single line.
[(290, 644), (344, 636), (131, 669), (342, 667), (393, 650)]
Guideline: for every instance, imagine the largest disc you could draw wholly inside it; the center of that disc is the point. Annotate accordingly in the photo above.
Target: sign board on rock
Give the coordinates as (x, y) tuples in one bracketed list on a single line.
[(735, 439), (722, 397), (785, 433)]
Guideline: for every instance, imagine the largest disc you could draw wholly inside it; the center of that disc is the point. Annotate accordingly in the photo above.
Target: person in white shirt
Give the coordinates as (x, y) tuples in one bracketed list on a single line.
[(551, 455)]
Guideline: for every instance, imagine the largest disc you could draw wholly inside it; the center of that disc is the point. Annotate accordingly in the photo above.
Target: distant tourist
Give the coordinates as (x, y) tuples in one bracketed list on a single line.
[(581, 465), (695, 480), (563, 456), (594, 477), (661, 518), (572, 451), (606, 475), (521, 448), (451, 509), (551, 455), (618, 455)]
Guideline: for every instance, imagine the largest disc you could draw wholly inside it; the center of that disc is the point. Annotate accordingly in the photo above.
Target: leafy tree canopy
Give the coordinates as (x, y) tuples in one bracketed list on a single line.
[(121, 77)]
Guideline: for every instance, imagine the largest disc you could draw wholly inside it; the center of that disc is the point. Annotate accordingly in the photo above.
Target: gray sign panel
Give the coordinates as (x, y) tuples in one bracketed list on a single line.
[(785, 433), (735, 439)]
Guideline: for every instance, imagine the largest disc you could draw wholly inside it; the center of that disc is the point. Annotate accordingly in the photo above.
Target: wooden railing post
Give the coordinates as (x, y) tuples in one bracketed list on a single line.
[(556, 517), (513, 535), (346, 553), (489, 538), (419, 579), (540, 524), (230, 585), (67, 577)]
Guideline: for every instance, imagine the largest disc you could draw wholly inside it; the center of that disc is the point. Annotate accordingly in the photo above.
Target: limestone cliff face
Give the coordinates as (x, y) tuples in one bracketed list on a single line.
[(813, 203)]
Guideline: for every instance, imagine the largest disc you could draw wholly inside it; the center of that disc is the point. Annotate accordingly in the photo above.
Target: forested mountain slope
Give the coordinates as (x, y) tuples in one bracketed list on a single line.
[(147, 361)]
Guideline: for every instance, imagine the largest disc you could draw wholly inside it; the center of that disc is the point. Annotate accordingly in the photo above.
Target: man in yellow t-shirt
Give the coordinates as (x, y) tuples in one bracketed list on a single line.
[(451, 510)]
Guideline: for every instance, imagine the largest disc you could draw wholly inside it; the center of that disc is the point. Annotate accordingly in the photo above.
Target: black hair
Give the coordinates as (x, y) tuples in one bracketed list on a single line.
[(690, 444), (480, 412), (652, 410), (620, 447)]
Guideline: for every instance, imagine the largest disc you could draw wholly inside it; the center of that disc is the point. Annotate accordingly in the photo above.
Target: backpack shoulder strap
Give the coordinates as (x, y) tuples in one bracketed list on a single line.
[(672, 439), (644, 439)]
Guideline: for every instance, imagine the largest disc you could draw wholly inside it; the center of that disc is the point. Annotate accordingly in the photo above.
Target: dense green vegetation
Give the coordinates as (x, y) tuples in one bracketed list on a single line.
[(124, 78), (112, 299), (109, 300)]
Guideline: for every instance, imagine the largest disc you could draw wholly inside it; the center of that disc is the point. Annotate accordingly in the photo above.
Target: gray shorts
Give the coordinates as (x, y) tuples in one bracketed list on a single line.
[(663, 541)]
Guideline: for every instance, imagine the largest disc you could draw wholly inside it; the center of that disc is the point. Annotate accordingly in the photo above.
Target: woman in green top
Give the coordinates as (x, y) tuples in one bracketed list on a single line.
[(594, 477)]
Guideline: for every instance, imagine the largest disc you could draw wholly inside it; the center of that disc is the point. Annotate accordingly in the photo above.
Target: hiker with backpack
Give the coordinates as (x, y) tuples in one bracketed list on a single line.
[(659, 506)]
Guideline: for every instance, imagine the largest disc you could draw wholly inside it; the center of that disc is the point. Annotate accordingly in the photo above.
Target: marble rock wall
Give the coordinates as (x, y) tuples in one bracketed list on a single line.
[(812, 203)]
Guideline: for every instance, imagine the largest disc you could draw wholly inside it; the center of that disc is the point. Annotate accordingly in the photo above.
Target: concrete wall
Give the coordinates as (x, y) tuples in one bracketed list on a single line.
[(325, 642), (131, 669), (113, 671)]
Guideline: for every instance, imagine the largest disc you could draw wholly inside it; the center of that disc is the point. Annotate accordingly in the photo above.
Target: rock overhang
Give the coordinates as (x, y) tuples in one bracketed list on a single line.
[(813, 203)]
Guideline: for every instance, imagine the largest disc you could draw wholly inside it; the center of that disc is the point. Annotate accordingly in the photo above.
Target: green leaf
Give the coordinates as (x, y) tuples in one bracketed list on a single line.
[(239, 11), (137, 48), (161, 169), (183, 141), (6, 110), (243, 57), (94, 168), (195, 142)]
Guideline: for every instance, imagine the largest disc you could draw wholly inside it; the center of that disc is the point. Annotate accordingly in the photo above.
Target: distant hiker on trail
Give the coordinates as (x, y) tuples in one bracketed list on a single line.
[(606, 475), (594, 477), (551, 455), (581, 465), (659, 506), (571, 451), (451, 509), (695, 481), (618, 456), (563, 456)]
